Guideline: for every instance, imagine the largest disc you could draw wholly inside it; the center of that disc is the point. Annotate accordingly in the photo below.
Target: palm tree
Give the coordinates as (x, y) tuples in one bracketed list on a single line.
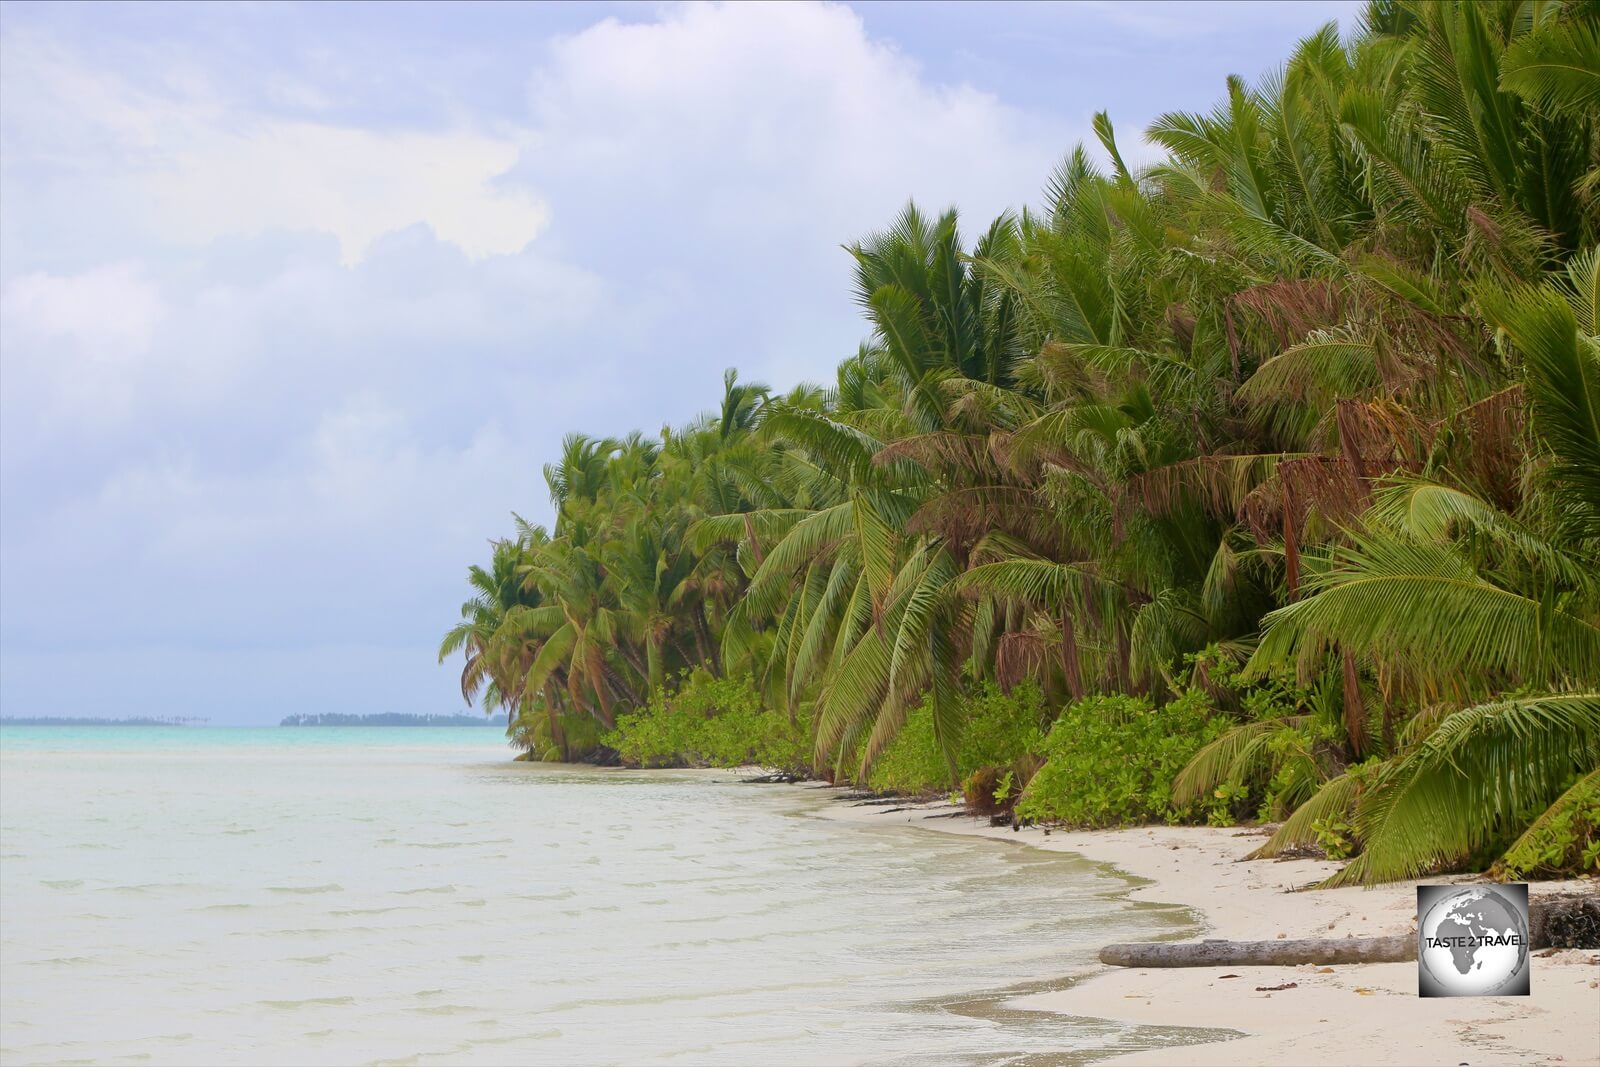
[(1315, 396)]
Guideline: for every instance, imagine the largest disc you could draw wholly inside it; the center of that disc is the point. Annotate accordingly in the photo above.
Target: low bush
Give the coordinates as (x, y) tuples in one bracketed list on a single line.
[(912, 763), (711, 722), (1564, 842), (1002, 730), (1110, 761)]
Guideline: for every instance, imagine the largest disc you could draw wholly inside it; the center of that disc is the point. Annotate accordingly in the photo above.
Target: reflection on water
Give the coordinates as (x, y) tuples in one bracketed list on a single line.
[(358, 896)]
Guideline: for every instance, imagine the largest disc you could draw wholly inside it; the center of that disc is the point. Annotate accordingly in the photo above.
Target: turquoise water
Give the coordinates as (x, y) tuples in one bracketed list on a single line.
[(488, 740), (347, 895)]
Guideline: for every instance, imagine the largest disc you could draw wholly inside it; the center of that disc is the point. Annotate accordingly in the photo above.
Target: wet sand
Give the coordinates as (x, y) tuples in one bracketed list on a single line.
[(1349, 1014)]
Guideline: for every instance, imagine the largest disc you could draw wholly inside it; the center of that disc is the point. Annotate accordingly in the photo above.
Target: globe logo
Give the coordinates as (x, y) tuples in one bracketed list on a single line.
[(1472, 941)]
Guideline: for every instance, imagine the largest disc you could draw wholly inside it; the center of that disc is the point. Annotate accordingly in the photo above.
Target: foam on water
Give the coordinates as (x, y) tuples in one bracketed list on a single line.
[(349, 895)]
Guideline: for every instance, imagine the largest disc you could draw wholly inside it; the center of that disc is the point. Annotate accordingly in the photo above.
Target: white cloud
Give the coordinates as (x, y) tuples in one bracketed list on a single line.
[(747, 117), (326, 361), (109, 312), (354, 184), (190, 169), (70, 344)]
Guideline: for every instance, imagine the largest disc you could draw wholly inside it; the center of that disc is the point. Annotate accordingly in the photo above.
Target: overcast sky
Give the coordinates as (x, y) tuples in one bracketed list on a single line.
[(296, 300)]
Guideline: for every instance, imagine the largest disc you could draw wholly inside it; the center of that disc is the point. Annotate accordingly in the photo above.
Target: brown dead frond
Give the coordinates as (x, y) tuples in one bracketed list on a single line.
[(1182, 325), (1300, 489), (1287, 309), (1019, 656), (966, 455), (1066, 373), (1219, 482), (962, 517), (1487, 444)]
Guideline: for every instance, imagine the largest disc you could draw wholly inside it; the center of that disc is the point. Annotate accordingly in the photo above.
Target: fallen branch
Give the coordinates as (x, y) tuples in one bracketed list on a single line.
[(1565, 921), (1262, 953)]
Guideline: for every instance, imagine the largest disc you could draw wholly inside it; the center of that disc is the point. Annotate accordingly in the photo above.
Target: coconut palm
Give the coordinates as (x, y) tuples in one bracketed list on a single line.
[(1315, 395)]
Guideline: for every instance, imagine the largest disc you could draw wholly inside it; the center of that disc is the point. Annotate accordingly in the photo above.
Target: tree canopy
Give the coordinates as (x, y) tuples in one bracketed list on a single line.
[(1314, 401)]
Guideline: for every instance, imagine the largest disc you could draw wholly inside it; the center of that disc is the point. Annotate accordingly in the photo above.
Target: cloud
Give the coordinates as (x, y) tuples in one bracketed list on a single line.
[(110, 310), (69, 343), (753, 116), (354, 184), (191, 169), (712, 160), (271, 380)]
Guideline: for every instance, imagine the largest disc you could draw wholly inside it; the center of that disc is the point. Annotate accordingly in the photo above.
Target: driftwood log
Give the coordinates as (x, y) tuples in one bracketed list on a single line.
[(1565, 921), (1262, 953)]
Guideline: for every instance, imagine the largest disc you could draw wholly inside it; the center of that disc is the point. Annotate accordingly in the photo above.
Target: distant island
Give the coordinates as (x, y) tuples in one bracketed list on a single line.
[(389, 719), (61, 720)]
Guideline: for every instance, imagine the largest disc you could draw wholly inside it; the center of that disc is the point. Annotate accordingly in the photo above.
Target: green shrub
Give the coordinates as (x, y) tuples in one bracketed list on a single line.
[(1285, 740), (912, 763), (711, 722), (1562, 842), (1002, 728), (1110, 760), (1001, 731)]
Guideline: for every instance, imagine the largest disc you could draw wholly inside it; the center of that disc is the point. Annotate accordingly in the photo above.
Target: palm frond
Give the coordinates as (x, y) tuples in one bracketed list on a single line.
[(1472, 782)]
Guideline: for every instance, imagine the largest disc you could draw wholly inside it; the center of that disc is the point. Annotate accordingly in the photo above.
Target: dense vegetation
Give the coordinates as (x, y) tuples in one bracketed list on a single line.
[(1261, 482)]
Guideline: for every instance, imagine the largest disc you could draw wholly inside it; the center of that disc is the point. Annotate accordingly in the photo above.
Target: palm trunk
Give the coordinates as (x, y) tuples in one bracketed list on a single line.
[(1070, 665), (1355, 710), (602, 692), (640, 666), (704, 645), (653, 658)]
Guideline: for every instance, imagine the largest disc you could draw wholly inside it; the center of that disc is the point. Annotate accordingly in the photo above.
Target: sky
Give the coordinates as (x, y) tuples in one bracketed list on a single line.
[(295, 300)]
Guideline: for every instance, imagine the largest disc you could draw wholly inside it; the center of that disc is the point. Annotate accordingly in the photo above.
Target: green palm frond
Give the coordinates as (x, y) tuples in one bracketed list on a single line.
[(1422, 606), (1580, 286), (824, 623), (813, 536), (1556, 67), (1563, 377), (1429, 511), (1335, 801), (552, 655), (923, 606), (879, 546), (854, 691), (1295, 388), (1472, 782), (1233, 757), (768, 526), (1550, 843), (1041, 582)]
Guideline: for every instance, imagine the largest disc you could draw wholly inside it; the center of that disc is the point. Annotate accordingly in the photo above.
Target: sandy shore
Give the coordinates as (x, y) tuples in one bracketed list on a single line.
[(1368, 1014)]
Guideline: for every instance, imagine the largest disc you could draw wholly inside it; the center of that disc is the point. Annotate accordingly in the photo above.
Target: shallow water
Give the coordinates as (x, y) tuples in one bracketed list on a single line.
[(360, 895)]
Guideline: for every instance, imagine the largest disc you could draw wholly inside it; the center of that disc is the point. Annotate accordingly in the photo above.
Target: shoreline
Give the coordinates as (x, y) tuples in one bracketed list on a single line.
[(1367, 1013)]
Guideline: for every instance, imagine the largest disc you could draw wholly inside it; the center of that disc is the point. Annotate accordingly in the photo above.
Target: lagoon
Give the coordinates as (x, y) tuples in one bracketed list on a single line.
[(369, 895)]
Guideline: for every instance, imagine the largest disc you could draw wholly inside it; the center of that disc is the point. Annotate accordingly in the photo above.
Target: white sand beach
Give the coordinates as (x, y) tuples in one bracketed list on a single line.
[(1368, 1013)]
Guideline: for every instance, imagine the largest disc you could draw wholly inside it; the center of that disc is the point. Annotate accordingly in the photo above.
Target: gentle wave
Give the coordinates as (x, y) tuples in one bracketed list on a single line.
[(330, 887), (308, 1002), (613, 916)]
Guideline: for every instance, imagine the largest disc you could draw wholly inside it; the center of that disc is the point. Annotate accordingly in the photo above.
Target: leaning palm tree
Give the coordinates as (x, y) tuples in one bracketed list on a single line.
[(499, 592), (1454, 600)]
